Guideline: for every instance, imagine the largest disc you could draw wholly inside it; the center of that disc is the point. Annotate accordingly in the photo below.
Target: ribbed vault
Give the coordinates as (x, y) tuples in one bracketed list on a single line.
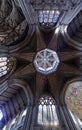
[(23, 38)]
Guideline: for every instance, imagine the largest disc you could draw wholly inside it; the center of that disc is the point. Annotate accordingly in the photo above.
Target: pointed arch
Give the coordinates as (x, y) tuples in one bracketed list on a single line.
[(18, 120), (25, 87), (73, 96), (71, 101), (47, 113)]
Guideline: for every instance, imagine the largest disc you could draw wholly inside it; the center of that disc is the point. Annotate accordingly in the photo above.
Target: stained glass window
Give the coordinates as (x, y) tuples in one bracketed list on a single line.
[(73, 99), (6, 65), (48, 17), (47, 114)]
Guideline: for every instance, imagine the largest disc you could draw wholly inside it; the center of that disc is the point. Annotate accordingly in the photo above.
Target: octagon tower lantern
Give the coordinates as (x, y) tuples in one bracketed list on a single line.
[(46, 61)]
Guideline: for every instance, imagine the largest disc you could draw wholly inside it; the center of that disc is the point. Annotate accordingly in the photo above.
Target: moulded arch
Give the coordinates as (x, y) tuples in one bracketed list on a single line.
[(47, 112), (21, 84), (70, 99), (25, 87), (27, 39), (62, 94)]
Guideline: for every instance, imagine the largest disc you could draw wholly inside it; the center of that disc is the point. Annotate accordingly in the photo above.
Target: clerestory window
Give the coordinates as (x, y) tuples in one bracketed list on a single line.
[(48, 18), (47, 114), (6, 65)]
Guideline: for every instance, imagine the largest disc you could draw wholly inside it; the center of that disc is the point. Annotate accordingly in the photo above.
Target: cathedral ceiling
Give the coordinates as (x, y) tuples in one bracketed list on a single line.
[(58, 59)]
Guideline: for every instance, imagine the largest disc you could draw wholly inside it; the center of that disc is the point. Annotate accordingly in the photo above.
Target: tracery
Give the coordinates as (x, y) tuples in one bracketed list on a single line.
[(47, 114), (6, 65)]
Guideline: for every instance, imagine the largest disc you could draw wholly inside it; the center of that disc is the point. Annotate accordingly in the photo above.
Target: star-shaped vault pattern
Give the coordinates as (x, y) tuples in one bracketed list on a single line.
[(53, 78)]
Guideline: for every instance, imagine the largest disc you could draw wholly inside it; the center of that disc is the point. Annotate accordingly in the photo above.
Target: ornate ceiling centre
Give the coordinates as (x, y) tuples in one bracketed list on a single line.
[(46, 61)]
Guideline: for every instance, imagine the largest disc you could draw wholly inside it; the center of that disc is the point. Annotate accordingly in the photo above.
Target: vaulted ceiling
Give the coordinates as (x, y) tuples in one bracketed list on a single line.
[(22, 36)]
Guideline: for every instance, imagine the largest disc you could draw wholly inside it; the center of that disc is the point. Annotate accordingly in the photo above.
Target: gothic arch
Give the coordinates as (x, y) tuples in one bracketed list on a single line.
[(24, 42), (43, 119), (21, 84), (62, 95), (25, 87), (71, 26), (65, 108), (15, 32)]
